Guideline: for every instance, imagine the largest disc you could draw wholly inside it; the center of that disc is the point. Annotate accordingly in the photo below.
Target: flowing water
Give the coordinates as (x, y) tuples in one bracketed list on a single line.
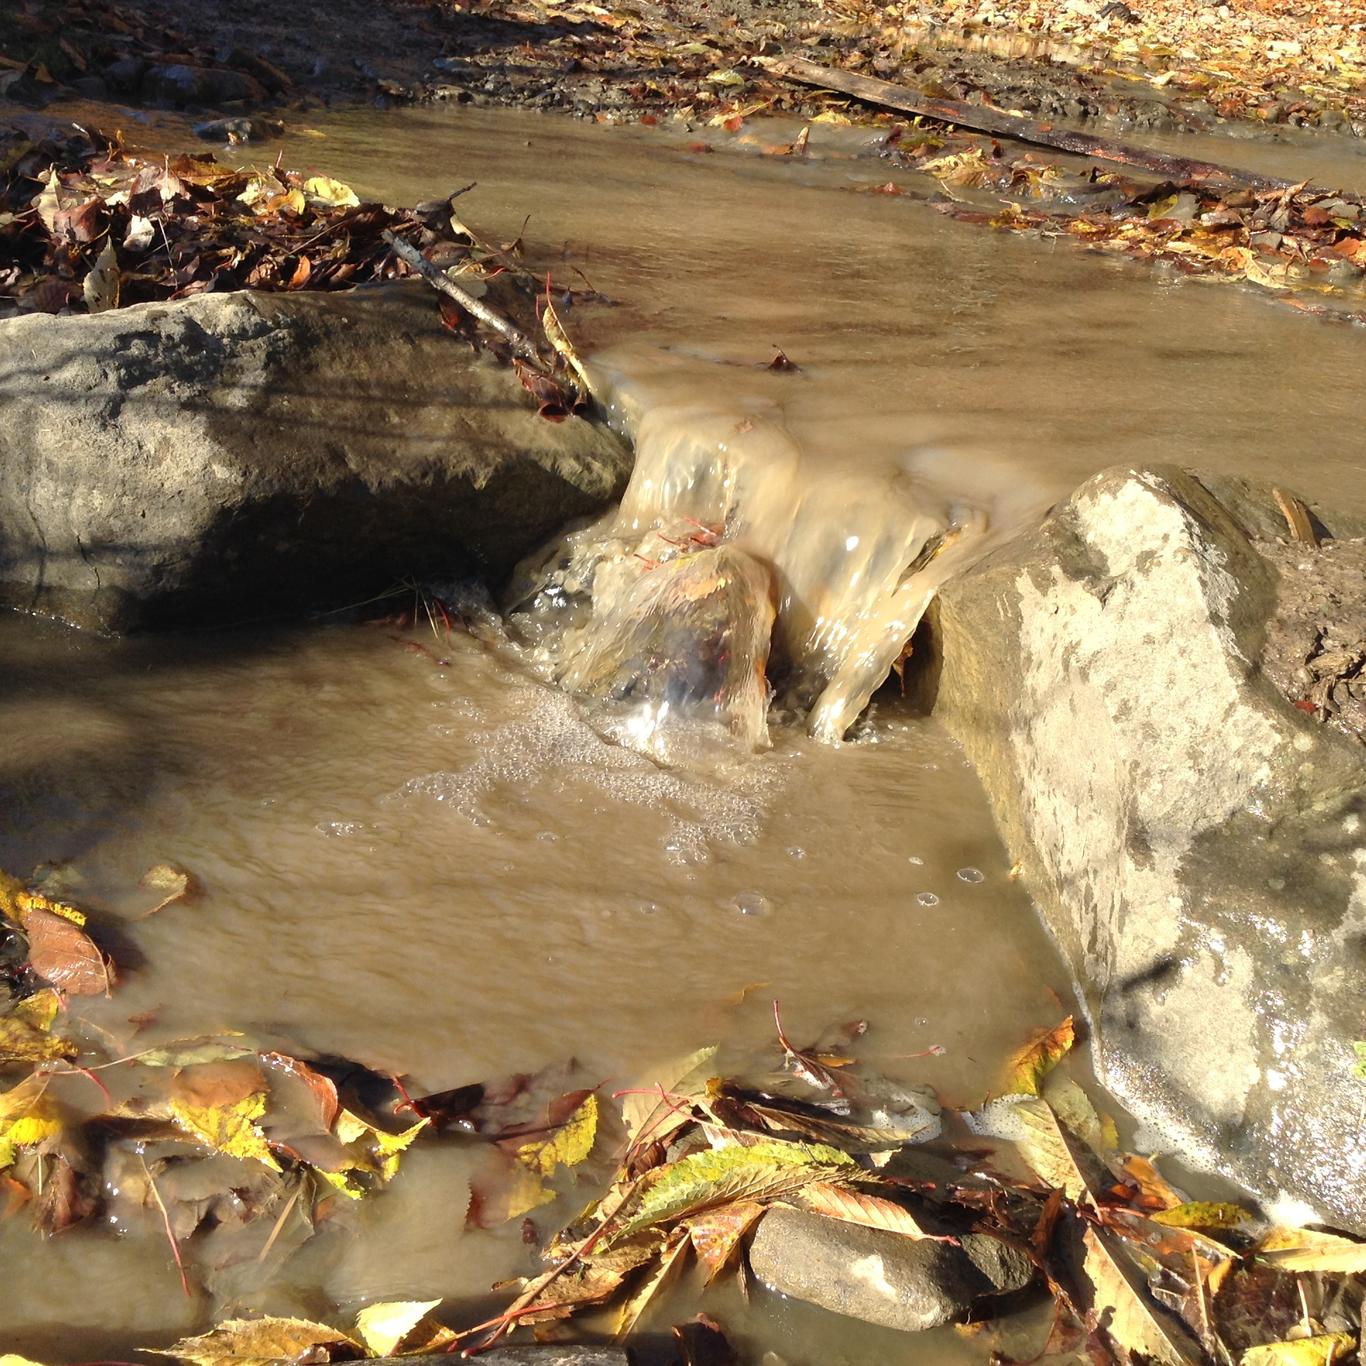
[(434, 862)]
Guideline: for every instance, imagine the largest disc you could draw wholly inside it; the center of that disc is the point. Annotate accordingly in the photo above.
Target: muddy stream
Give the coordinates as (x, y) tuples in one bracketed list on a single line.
[(446, 872)]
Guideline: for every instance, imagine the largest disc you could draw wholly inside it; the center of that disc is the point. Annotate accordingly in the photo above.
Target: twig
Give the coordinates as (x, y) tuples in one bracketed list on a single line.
[(170, 1234), (986, 119), (440, 281), (279, 1224)]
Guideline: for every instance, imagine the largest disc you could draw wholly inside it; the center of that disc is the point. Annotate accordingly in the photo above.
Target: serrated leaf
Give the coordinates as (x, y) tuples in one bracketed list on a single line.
[(858, 1207), (702, 1180), (229, 1129), (670, 1260), (717, 1233), (569, 1145), (1315, 1351), (381, 1327), (1028, 1066), (371, 1149), (26, 1032), (1126, 1313), (257, 1342), (1302, 1249), (646, 1114), (1202, 1214), (16, 901)]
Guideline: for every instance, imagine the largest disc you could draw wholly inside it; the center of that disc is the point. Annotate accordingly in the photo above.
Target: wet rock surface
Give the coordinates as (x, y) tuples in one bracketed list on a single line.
[(880, 1277), (1194, 840), (234, 454)]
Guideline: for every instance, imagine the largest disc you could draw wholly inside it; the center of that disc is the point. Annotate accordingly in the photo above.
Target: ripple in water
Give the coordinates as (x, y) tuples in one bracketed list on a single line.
[(971, 875), (926, 899)]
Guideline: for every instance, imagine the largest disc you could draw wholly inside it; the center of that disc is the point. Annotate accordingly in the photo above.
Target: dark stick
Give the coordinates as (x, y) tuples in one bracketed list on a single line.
[(986, 119)]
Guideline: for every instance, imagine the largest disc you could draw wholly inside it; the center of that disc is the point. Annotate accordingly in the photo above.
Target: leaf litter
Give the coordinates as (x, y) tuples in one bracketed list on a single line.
[(209, 1135)]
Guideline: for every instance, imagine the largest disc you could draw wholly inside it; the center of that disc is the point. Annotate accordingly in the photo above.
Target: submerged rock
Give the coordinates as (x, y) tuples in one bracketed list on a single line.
[(1195, 840), (880, 1277), (243, 452)]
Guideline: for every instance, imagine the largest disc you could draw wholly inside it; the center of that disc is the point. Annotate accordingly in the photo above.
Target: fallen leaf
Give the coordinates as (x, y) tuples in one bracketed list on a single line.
[(230, 1129), (26, 1032), (1032, 1063), (717, 1234), (101, 285), (259, 1342), (64, 955), (1303, 1249), (381, 1327), (169, 883), (1316, 1351), (1130, 1318), (670, 1260), (858, 1207), (323, 190), (27, 1117), (569, 1145), (1203, 1214)]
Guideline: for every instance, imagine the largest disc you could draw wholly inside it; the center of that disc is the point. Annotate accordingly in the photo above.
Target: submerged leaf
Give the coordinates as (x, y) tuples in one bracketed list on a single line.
[(229, 1129), (1303, 1249), (569, 1145), (63, 954), (169, 883), (26, 1032), (26, 1117)]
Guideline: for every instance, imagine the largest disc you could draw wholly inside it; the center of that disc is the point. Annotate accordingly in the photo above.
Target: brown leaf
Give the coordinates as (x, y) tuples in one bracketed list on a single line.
[(213, 1085), (717, 1233), (170, 884), (856, 1207), (64, 955)]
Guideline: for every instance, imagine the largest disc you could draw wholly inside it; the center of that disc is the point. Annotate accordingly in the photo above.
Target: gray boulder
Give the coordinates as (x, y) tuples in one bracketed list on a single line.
[(234, 453), (881, 1277), (1195, 841)]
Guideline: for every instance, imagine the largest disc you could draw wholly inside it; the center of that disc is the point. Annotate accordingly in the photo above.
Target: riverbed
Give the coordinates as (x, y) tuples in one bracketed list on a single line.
[(434, 862)]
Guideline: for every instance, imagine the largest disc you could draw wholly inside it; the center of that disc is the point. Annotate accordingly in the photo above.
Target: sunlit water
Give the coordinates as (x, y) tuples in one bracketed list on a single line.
[(446, 872)]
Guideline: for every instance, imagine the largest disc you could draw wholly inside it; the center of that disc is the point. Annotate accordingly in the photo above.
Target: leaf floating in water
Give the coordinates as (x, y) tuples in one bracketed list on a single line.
[(169, 883), (381, 1327), (716, 1235), (1322, 1350), (231, 1128)]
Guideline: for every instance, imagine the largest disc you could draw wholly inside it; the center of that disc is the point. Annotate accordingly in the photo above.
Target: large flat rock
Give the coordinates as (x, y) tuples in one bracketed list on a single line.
[(238, 453), (1195, 841)]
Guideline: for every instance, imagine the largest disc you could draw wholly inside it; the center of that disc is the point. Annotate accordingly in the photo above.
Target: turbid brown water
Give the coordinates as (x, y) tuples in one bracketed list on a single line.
[(448, 873)]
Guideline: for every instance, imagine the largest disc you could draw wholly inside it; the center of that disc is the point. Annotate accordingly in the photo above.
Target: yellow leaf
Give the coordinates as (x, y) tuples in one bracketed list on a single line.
[(1202, 1214), (1302, 1249), (323, 190), (16, 901), (381, 1327), (371, 1149), (1029, 1065), (257, 1342), (229, 1129), (9, 1359), (1315, 1351), (25, 1033), (26, 1116), (559, 339), (568, 1145)]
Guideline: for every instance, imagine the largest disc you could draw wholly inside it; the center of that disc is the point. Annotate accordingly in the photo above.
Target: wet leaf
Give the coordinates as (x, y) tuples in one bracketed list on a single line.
[(369, 1149), (1032, 1063), (717, 1234), (26, 1032), (261, 1342), (1203, 1214), (858, 1207), (1073, 1107), (322, 1090), (27, 1117), (16, 901), (1126, 1313), (717, 1177), (230, 1129), (381, 1327), (647, 1114), (102, 281), (1029, 1123), (1153, 1190), (670, 1262), (502, 1192), (1303, 1249), (568, 1145), (64, 955), (168, 883), (1315, 1351), (559, 339)]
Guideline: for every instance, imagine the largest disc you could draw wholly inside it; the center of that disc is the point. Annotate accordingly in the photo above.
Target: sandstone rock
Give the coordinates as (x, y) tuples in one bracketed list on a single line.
[(1195, 842), (236, 453), (881, 1277)]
